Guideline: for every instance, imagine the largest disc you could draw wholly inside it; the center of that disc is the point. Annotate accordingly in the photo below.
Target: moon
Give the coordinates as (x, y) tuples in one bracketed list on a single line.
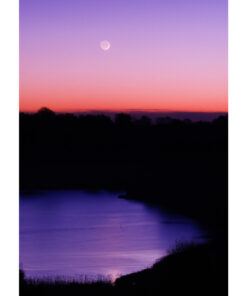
[(105, 45)]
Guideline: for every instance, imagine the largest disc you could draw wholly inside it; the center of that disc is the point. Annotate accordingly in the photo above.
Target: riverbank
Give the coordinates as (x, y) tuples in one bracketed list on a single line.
[(63, 287), (189, 270), (176, 164)]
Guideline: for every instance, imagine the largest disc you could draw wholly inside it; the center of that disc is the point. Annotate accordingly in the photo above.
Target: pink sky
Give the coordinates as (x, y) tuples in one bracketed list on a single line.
[(164, 55)]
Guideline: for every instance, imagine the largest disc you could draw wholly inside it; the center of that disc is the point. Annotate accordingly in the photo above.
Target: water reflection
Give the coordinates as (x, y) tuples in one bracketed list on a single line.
[(71, 233)]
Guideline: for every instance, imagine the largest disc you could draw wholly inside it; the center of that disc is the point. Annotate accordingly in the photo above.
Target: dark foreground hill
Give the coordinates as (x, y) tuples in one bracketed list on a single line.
[(190, 271)]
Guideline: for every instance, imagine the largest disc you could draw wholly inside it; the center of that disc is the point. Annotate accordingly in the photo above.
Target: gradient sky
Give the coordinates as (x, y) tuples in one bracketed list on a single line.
[(165, 55)]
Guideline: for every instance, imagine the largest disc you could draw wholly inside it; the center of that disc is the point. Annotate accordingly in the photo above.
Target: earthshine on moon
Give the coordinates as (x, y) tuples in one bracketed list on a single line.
[(105, 45)]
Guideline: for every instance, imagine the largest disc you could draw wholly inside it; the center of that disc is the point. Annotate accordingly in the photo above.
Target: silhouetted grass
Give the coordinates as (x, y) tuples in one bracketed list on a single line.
[(63, 286)]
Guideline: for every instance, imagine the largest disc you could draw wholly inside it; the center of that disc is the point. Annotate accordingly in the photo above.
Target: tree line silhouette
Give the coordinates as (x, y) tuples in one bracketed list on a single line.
[(179, 164)]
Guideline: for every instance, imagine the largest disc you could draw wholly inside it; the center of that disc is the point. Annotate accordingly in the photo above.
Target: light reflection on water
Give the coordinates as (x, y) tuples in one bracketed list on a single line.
[(74, 233)]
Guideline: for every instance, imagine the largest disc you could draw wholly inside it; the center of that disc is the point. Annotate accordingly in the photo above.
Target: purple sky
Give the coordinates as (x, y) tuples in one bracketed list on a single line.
[(165, 55)]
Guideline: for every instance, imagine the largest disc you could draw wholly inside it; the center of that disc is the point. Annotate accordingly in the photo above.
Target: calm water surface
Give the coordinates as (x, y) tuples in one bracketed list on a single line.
[(72, 233)]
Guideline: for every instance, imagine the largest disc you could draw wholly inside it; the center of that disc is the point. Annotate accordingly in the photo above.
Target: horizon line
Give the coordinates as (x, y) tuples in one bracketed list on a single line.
[(123, 111)]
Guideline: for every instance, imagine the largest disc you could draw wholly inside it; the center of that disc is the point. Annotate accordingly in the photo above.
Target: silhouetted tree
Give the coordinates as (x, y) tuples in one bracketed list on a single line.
[(45, 113), (143, 121), (164, 120), (123, 120)]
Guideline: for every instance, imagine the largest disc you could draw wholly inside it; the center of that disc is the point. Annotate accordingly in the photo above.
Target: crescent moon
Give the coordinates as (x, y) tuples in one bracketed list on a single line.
[(105, 45)]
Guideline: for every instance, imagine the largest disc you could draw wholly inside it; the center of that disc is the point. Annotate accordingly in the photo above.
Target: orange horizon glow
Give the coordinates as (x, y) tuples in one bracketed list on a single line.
[(125, 110), (147, 105), (171, 56)]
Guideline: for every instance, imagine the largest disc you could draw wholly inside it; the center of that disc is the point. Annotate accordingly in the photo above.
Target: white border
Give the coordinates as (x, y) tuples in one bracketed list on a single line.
[(9, 108), (237, 147)]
